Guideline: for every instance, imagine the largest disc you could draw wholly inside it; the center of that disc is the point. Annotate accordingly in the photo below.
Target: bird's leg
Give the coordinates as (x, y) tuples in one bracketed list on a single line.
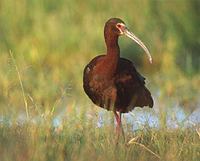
[(119, 128)]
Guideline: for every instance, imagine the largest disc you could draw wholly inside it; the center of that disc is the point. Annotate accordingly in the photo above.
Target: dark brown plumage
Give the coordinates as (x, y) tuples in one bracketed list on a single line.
[(112, 82)]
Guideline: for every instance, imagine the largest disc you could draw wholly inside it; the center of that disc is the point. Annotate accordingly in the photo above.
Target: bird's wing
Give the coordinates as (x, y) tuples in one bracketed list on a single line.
[(127, 70), (131, 90)]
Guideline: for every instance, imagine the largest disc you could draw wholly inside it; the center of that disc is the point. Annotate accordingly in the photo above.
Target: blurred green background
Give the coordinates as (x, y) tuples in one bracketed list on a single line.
[(44, 46), (51, 42)]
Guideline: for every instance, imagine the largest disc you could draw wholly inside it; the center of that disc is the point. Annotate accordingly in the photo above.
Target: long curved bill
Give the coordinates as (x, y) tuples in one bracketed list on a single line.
[(139, 42)]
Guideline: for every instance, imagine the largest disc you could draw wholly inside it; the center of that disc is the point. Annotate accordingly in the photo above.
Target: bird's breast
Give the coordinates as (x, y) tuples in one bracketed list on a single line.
[(99, 82)]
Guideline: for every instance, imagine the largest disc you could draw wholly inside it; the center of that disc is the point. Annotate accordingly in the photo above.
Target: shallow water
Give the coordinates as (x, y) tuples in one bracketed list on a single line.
[(138, 119)]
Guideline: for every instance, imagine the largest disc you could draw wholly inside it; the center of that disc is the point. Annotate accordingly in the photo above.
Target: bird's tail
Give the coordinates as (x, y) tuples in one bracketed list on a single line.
[(144, 98)]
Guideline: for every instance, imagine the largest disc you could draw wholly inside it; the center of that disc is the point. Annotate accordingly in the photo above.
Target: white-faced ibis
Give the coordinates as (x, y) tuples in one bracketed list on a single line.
[(112, 82)]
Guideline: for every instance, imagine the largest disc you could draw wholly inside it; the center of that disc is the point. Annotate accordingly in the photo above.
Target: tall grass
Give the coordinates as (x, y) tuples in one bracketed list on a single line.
[(77, 138)]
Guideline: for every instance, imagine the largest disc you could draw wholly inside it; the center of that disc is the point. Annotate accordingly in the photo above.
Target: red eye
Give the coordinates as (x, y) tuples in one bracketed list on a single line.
[(119, 26)]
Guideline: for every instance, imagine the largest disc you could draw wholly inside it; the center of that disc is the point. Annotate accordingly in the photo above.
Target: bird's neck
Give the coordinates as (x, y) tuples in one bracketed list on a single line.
[(113, 53), (112, 46), (106, 68)]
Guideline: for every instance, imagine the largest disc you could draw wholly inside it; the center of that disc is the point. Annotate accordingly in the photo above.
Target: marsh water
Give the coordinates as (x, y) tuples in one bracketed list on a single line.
[(139, 118)]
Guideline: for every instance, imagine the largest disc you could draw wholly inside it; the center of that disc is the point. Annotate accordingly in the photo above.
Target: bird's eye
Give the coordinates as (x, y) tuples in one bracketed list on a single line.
[(119, 25)]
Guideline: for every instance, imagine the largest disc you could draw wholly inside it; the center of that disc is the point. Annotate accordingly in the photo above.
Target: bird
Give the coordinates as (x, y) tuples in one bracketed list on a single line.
[(112, 82)]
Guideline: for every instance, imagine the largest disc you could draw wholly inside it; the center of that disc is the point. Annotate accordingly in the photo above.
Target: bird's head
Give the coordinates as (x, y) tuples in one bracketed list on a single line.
[(117, 27)]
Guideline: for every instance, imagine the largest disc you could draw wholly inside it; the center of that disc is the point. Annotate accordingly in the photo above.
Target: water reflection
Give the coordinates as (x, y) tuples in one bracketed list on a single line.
[(138, 119)]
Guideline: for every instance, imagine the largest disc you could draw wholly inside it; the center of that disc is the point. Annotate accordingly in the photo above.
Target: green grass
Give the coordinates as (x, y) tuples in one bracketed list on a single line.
[(44, 46), (79, 139)]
